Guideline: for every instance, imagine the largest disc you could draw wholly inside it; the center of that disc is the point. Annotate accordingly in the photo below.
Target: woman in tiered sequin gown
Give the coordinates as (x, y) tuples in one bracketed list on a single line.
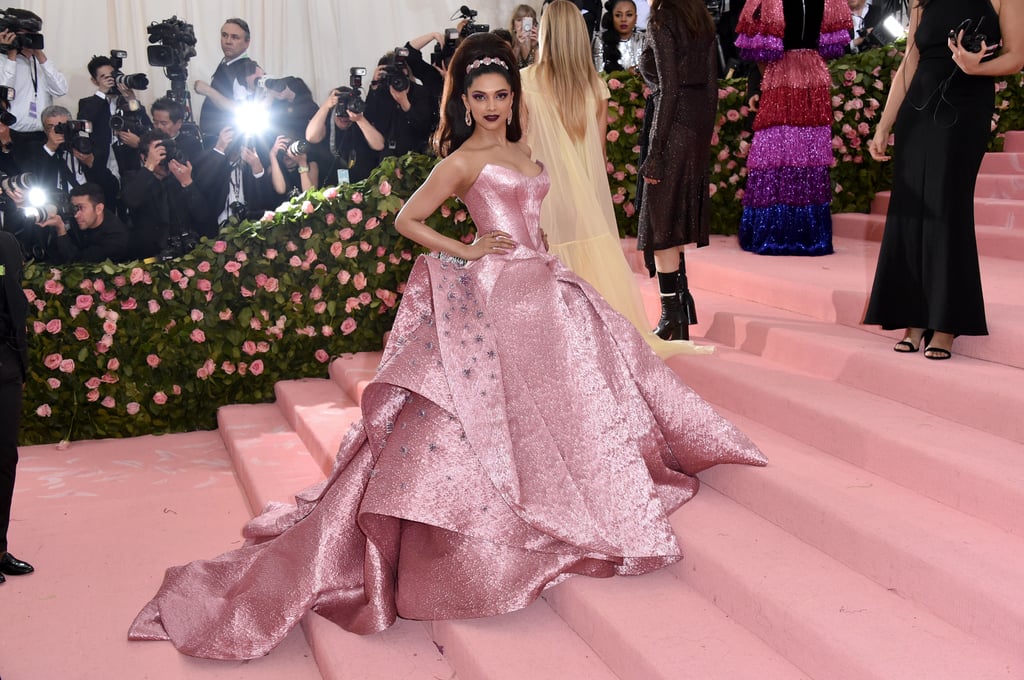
[(518, 430)]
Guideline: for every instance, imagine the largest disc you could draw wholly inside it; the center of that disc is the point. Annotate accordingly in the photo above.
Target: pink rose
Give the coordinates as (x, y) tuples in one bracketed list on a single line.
[(365, 298), (53, 383), (241, 256), (93, 396), (196, 315), (372, 223), (359, 281), (348, 326), (380, 267), (296, 298), (320, 307), (337, 249), (153, 360), (67, 366), (351, 305), (365, 247), (249, 347), (108, 402), (613, 136), (44, 411), (227, 367), (357, 197), (307, 208), (268, 216), (272, 285), (331, 193), (270, 254), (167, 294), (83, 302), (305, 233), (614, 84), (204, 285), (246, 292), (176, 390), (129, 304), (220, 246), (132, 408), (460, 216), (262, 346), (733, 115), (322, 356), (352, 251), (354, 216), (113, 365), (160, 398), (93, 383), (109, 327), (197, 335), (346, 234), (53, 326), (290, 247), (109, 295), (53, 287), (256, 367), (226, 315), (316, 293), (295, 261), (232, 267), (175, 275), (385, 188), (446, 212), (330, 219), (136, 275)]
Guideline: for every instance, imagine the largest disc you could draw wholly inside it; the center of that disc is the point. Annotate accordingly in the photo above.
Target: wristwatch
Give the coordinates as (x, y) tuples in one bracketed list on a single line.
[(303, 169)]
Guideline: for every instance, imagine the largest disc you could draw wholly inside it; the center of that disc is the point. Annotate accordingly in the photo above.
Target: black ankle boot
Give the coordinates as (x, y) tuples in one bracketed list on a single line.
[(672, 324), (687, 307)]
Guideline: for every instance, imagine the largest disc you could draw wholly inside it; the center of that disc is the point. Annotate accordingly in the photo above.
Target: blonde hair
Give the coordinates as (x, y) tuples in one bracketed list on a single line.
[(518, 13), (565, 67)]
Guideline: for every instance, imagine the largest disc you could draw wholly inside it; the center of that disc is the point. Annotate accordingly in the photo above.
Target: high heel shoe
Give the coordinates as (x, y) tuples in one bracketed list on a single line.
[(907, 346), (937, 353), (672, 325)]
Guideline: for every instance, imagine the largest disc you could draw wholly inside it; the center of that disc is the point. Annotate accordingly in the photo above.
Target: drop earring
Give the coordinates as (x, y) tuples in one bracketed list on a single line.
[(469, 119), (509, 121)]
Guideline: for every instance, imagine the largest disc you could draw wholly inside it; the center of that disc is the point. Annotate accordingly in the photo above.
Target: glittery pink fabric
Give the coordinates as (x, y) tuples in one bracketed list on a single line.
[(518, 431)]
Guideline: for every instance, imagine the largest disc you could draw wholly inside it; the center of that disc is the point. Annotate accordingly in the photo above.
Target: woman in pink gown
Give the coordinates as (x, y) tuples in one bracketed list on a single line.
[(518, 430)]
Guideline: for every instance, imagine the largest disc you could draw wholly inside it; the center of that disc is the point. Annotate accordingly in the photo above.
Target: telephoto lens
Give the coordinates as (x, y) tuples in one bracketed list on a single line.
[(298, 147)]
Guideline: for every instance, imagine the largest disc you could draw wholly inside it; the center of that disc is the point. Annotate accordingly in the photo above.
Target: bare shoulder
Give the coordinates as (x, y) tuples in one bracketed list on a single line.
[(460, 169)]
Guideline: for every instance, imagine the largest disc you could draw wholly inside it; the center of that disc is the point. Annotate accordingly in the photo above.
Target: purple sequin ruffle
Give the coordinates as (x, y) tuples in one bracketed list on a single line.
[(788, 186), (791, 146), (833, 45), (760, 48)]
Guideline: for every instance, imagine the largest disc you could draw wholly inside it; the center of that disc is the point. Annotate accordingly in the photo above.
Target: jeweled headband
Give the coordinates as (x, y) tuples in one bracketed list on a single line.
[(486, 61)]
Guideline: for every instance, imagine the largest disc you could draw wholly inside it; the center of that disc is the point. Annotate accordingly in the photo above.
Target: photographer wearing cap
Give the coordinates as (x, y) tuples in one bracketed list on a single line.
[(116, 150), (398, 107), (342, 135), (27, 69), (13, 371), (96, 234), (168, 117), (231, 81), (163, 200)]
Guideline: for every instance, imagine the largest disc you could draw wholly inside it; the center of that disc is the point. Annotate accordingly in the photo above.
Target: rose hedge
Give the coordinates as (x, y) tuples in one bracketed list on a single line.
[(125, 350), (860, 83)]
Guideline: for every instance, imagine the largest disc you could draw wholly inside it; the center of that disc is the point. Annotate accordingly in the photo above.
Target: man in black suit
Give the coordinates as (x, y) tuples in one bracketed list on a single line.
[(13, 370), (169, 117), (233, 180), (164, 202), (867, 15), (111, 98), (231, 82)]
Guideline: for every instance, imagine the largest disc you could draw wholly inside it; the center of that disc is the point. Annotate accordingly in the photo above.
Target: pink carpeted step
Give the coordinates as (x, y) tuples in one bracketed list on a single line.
[(1014, 142), (353, 371), (320, 412), (979, 394), (271, 461), (992, 185), (1001, 212), (1006, 242), (403, 651), (531, 643), (825, 619), (652, 627), (1003, 163), (917, 550), (970, 470)]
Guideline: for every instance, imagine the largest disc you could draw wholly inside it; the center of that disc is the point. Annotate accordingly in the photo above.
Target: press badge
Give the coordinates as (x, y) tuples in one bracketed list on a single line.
[(342, 175)]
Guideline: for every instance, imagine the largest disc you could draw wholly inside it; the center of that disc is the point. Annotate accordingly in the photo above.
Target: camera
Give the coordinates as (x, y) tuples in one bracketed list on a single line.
[(177, 245), (173, 43), (76, 135), (972, 38), (442, 53), (22, 182), (396, 74), (350, 98), (26, 24), (298, 147), (134, 81), (714, 8), (41, 206), (128, 121), (471, 26), (272, 84)]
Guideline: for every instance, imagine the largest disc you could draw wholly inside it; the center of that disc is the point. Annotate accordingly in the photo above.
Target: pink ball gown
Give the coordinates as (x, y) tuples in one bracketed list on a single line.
[(518, 431)]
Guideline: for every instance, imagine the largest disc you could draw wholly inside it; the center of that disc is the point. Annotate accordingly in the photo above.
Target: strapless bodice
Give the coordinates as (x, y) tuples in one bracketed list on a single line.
[(506, 199)]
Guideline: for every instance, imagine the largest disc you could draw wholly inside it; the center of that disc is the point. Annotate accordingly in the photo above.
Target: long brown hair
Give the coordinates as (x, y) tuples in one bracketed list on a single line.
[(452, 131), (691, 16), (565, 67)]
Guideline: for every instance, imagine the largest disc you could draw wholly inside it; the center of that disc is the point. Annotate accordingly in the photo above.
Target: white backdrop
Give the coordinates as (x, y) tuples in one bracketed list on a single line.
[(317, 40)]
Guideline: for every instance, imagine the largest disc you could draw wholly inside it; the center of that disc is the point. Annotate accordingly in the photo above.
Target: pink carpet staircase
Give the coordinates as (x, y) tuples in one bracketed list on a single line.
[(884, 541)]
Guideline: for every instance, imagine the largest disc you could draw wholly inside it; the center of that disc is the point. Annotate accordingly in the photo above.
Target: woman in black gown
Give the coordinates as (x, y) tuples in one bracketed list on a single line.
[(928, 280)]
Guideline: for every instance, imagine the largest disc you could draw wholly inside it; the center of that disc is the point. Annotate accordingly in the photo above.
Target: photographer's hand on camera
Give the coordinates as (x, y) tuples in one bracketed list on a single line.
[(7, 39), (55, 221), (155, 156), (252, 159), (181, 172), (225, 139)]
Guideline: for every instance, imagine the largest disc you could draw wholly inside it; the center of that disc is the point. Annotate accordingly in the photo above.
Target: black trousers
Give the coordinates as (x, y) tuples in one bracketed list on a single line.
[(10, 421)]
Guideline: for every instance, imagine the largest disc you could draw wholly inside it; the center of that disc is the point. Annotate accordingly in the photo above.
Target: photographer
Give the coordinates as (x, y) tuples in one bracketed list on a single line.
[(67, 159), (431, 74), (231, 81), (117, 151), (292, 172), (291, 103), (399, 108), (98, 234), (233, 180), (9, 164), (866, 15), (343, 136), (168, 117), (34, 77), (163, 200)]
